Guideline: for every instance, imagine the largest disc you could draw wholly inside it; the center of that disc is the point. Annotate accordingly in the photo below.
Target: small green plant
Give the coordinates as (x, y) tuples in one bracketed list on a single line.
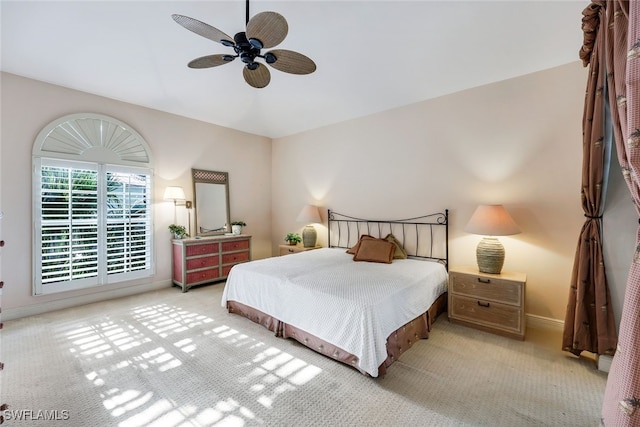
[(240, 223), (293, 238), (178, 231)]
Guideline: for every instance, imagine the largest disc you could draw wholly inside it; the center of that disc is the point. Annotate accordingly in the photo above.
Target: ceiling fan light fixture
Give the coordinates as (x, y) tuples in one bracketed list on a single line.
[(270, 58), (227, 43), (228, 58), (247, 58), (256, 43)]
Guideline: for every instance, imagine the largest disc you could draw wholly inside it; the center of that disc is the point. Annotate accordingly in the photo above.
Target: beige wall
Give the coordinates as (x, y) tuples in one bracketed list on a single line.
[(177, 145), (516, 142)]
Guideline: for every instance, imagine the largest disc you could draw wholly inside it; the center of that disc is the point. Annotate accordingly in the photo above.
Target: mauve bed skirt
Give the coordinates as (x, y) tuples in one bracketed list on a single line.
[(397, 343)]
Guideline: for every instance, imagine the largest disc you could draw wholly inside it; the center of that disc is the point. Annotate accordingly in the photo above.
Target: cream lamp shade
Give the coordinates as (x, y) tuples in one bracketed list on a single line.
[(309, 215), (491, 221), (175, 194)]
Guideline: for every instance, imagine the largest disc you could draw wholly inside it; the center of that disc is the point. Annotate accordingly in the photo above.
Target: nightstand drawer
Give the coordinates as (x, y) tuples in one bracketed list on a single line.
[(286, 250), (491, 314), (487, 288), (294, 249)]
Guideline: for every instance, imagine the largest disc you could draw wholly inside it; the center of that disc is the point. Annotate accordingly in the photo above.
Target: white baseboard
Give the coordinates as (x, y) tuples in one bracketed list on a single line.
[(540, 322), (604, 363), (35, 309)]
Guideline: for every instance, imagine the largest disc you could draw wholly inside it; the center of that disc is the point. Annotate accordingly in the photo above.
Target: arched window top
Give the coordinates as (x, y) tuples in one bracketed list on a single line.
[(92, 137)]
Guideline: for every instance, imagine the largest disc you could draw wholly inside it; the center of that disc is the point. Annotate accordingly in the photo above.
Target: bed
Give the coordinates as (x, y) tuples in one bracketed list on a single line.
[(347, 301)]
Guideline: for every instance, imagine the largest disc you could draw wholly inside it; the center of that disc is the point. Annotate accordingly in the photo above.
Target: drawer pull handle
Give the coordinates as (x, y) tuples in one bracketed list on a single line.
[(481, 280), (485, 304)]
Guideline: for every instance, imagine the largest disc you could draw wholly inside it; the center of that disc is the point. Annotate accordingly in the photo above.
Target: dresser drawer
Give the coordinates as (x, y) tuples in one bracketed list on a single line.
[(202, 276), (491, 314), (226, 269), (201, 249), (202, 262), (487, 288), (235, 257), (236, 245)]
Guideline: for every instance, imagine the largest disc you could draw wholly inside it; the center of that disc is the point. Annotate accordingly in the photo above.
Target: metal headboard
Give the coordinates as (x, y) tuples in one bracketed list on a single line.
[(425, 236)]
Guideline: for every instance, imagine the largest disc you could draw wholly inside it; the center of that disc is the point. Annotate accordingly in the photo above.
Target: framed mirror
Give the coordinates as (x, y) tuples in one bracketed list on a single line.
[(211, 202)]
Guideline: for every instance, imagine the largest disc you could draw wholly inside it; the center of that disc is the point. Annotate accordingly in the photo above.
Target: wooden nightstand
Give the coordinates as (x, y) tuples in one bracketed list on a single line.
[(294, 249), (490, 302)]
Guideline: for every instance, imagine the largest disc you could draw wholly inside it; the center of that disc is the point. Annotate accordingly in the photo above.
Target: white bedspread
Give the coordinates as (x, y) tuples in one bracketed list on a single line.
[(325, 293)]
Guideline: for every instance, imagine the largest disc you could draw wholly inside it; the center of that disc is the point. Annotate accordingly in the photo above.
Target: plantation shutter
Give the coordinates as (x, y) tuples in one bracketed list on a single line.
[(128, 242), (69, 224), (92, 204), (85, 241)]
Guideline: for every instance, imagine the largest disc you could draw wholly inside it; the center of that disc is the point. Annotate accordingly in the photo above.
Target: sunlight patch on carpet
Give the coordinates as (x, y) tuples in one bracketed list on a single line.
[(161, 341)]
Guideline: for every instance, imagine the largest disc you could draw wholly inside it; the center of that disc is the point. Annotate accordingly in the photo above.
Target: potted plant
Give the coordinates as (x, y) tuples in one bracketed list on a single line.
[(236, 227), (293, 238), (178, 231)]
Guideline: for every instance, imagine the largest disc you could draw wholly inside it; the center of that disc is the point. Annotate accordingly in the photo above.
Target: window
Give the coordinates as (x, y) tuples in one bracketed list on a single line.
[(92, 221)]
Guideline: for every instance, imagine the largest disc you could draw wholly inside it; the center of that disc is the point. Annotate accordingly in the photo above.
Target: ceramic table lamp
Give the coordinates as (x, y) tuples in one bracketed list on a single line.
[(309, 215), (491, 221)]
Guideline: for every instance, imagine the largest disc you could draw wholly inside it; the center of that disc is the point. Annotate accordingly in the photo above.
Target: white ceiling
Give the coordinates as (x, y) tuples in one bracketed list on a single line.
[(371, 55)]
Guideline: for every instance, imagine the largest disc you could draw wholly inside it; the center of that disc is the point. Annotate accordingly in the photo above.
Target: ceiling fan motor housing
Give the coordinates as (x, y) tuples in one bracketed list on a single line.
[(246, 50)]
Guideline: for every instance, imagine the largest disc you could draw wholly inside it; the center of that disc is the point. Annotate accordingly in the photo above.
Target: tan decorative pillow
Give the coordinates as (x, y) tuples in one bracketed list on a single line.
[(400, 252), (355, 247), (375, 250)]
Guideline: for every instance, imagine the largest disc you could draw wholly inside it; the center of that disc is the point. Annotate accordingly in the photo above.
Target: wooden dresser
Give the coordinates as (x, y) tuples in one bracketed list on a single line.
[(491, 302), (207, 259)]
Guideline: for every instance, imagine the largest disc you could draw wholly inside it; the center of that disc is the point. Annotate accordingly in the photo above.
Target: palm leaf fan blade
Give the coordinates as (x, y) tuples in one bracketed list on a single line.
[(269, 27), (202, 29), (209, 61), (292, 62), (258, 78)]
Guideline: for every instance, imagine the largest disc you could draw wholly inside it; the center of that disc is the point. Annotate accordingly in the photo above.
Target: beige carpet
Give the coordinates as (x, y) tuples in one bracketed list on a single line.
[(171, 359)]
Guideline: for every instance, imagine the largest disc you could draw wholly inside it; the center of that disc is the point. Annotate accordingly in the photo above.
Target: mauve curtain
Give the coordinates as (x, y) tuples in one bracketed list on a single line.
[(589, 322), (621, 406)]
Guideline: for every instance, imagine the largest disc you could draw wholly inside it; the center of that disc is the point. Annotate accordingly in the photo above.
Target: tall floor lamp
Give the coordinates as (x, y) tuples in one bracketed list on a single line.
[(490, 221), (309, 215), (175, 194)]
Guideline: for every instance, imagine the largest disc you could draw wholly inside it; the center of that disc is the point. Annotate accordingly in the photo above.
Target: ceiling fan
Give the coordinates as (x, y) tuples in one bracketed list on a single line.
[(265, 30)]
